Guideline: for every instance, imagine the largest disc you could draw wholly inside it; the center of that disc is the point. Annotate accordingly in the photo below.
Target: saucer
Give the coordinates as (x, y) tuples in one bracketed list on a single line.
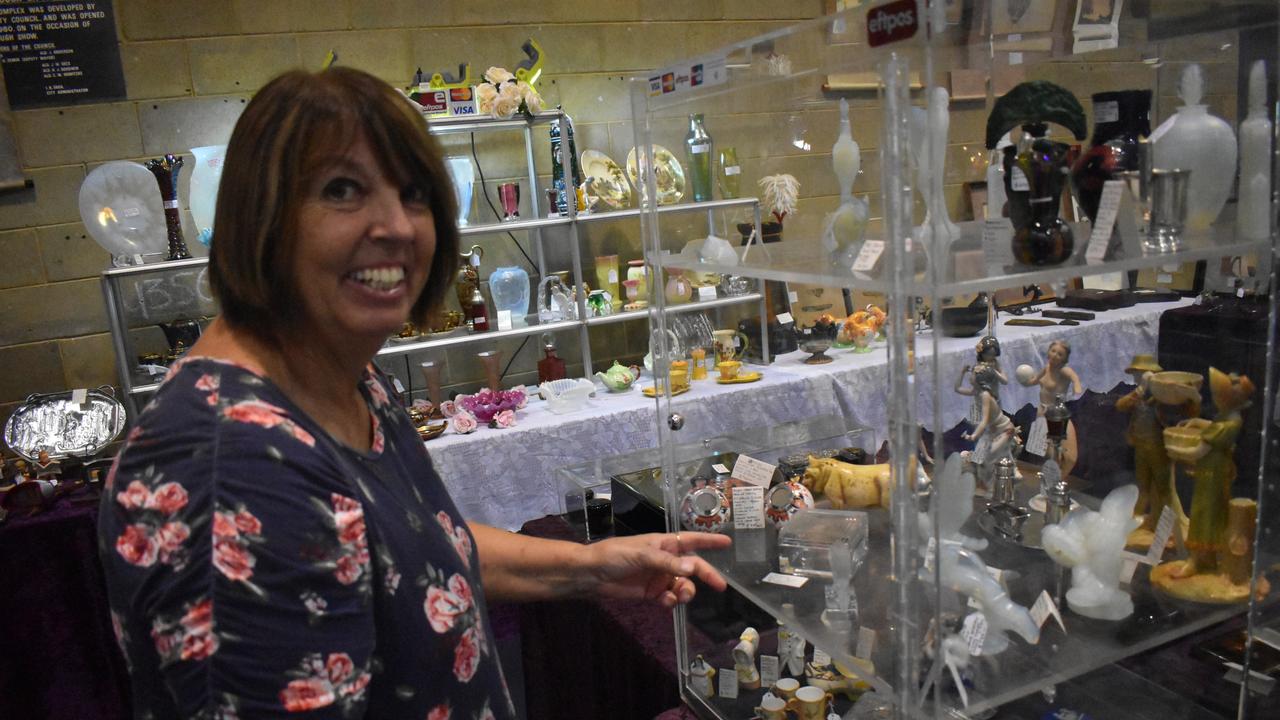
[(742, 378), (649, 391), (1037, 503)]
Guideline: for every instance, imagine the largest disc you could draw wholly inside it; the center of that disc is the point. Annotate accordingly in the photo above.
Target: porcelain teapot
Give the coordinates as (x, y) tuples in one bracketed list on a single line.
[(618, 377)]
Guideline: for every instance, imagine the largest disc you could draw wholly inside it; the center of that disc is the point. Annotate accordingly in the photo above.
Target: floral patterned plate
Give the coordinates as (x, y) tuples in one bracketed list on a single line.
[(669, 177), (607, 182)]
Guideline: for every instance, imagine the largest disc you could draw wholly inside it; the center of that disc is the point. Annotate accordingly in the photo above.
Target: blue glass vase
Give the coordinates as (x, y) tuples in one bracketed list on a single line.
[(509, 287)]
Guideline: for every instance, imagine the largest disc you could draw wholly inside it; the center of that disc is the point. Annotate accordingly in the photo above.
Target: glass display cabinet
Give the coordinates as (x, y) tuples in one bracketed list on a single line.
[(987, 229)]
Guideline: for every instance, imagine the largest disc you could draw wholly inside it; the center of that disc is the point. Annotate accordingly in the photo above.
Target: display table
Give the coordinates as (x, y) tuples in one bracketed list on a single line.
[(507, 477)]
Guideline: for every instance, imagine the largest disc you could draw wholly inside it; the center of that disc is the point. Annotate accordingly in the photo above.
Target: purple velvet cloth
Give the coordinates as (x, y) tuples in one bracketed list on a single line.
[(58, 655), (597, 658)]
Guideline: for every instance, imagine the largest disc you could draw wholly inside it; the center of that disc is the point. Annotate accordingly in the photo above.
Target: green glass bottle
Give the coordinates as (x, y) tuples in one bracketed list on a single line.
[(698, 146)]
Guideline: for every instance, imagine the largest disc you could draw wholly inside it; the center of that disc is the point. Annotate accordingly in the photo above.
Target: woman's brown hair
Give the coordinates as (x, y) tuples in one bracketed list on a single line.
[(284, 135)]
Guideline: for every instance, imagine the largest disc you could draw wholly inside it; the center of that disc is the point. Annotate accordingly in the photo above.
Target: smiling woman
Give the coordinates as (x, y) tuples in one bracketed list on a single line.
[(274, 536)]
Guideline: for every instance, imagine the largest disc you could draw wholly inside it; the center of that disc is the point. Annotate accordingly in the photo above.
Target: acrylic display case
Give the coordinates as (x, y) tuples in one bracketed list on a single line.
[(956, 606)]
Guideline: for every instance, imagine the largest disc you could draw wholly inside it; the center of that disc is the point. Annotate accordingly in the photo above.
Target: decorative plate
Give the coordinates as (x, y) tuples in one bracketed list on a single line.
[(121, 208), (747, 377), (608, 182), (649, 391), (64, 428), (669, 177)]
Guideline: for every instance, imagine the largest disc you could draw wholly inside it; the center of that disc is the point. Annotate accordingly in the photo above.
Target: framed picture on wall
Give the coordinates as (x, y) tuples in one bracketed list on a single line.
[(809, 302)]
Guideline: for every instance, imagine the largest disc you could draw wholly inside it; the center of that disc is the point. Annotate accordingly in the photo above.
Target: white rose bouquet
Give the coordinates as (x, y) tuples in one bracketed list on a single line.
[(502, 95)]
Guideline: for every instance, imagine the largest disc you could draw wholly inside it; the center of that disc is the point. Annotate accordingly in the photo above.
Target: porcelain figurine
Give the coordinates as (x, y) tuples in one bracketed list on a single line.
[(839, 679), (993, 431), (771, 707), (953, 489), (1218, 538), (962, 570), (1193, 139), (845, 227), (1054, 379), (791, 648), (702, 677), (1145, 435), (847, 485), (929, 129), (744, 659), (1090, 542), (618, 378)]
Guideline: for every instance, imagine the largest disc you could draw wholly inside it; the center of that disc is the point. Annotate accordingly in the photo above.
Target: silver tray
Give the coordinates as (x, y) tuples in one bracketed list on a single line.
[(63, 428)]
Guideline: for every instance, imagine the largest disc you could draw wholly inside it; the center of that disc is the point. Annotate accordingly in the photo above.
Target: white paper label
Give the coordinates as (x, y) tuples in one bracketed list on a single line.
[(699, 149), (1018, 180), (170, 204), (613, 276), (997, 242), (1129, 567), (793, 296), (1164, 278), (1044, 607), (707, 292), (1015, 58), (773, 578), (868, 256), (756, 472), (728, 682), (399, 386), (748, 507), (1106, 112), (1015, 37), (504, 319), (1164, 530), (784, 318), (821, 658), (79, 396), (930, 553), (866, 643), (720, 469), (1108, 206), (974, 632), (768, 670), (732, 170)]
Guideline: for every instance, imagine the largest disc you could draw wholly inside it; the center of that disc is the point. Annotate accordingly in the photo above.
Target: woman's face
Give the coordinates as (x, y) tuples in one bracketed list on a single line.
[(364, 251), (1057, 355)]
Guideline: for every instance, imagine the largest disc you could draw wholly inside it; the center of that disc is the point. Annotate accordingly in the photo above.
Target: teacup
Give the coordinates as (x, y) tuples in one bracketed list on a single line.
[(810, 703), (679, 379), (772, 708), (729, 369), (786, 688)]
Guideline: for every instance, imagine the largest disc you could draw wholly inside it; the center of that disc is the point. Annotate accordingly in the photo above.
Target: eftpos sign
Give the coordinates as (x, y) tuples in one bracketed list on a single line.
[(892, 22)]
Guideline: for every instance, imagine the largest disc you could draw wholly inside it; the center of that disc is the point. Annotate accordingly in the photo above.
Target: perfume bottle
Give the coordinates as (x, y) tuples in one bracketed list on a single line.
[(551, 366), (477, 311), (698, 144)]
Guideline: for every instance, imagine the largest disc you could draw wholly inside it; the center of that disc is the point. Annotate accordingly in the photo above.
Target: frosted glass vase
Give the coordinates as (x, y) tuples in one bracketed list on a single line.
[(204, 188), (463, 176), (509, 287), (1195, 140)]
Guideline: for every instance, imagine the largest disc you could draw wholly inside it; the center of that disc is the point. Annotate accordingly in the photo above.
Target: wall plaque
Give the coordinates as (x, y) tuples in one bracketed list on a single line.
[(59, 53)]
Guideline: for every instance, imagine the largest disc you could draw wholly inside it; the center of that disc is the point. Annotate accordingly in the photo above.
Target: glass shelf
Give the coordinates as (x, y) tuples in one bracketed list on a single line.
[(692, 306)]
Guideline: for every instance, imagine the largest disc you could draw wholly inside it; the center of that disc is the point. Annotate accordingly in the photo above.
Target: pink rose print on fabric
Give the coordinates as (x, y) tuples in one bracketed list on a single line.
[(233, 532), (458, 536), (319, 682), (466, 656), (439, 712), (443, 608), (169, 498), (188, 637), (137, 547), (352, 561), (209, 384), (134, 496), (379, 440), (266, 415), (377, 393)]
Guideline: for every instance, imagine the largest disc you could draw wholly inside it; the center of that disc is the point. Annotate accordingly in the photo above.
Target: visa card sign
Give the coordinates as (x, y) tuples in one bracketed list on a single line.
[(700, 73)]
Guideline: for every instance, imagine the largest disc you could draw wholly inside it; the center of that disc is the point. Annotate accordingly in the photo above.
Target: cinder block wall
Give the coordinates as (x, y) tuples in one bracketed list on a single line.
[(190, 65)]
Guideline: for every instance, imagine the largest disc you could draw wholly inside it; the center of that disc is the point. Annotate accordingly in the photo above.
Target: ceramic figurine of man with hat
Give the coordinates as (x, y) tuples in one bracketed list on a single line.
[(1150, 461)]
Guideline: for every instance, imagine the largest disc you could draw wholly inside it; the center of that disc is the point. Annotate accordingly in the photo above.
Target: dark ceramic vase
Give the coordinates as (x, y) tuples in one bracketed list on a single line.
[(1034, 176), (1120, 119)]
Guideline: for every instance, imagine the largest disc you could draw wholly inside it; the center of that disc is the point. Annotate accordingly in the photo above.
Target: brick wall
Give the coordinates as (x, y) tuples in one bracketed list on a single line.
[(190, 65)]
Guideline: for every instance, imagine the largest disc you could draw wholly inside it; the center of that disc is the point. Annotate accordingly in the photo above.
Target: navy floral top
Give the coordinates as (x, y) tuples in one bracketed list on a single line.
[(257, 568)]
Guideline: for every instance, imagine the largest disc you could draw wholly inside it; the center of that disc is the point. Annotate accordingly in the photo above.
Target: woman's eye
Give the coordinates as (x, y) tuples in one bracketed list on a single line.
[(341, 189), (414, 194)]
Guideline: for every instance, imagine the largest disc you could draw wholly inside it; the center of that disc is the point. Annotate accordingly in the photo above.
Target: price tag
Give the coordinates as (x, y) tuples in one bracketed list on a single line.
[(821, 658), (866, 643), (930, 553), (1015, 58), (868, 256), (756, 472), (720, 469), (613, 275), (1106, 112), (80, 396), (707, 292), (504, 319), (791, 581), (728, 682), (1018, 179), (700, 148), (974, 632), (1164, 278), (1164, 530), (748, 507), (1015, 37), (793, 297), (1045, 607), (997, 242), (1108, 207), (395, 382), (732, 170), (785, 319), (768, 670)]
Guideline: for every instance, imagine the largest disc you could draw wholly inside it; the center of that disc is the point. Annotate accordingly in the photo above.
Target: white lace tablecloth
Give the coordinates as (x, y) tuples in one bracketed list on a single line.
[(507, 477)]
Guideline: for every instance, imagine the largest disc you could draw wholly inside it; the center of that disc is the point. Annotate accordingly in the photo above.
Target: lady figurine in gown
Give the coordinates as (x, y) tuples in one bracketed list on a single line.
[(1150, 462), (1054, 379), (992, 430), (1210, 573)]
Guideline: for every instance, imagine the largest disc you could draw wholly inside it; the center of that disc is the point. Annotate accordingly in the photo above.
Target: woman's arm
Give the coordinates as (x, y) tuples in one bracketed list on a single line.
[(960, 380), (652, 567), (986, 418), (1076, 387)]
